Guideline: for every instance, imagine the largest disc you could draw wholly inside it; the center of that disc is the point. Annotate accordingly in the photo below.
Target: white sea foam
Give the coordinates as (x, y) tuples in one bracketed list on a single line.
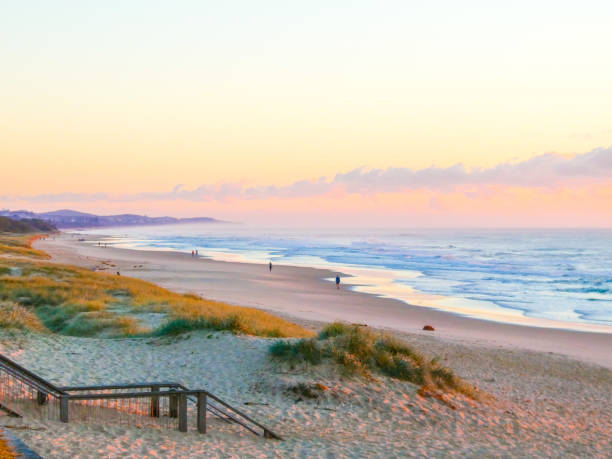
[(560, 275)]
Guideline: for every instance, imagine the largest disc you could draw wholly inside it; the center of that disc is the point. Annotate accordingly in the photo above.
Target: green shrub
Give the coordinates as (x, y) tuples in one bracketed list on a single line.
[(358, 350), (333, 329), (85, 326), (54, 318), (302, 350), (233, 324)]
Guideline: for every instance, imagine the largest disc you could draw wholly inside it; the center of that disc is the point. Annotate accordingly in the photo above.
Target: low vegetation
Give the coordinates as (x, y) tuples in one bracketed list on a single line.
[(5, 450), (20, 246), (28, 225), (359, 350), (236, 323), (74, 301), (13, 315)]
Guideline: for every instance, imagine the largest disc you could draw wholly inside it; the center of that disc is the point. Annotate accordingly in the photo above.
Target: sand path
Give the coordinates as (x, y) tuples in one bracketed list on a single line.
[(544, 405)]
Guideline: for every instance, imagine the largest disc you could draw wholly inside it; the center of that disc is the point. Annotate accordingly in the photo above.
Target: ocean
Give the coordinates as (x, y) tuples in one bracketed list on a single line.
[(563, 276)]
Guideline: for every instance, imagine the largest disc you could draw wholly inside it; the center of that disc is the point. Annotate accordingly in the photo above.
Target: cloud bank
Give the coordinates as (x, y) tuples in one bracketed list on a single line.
[(546, 170)]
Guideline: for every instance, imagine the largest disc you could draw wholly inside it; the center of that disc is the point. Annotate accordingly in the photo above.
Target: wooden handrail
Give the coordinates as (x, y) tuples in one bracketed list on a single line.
[(66, 394), (119, 386), (187, 392), (29, 377)]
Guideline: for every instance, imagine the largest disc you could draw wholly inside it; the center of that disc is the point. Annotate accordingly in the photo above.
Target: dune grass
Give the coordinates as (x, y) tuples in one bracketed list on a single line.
[(20, 246), (78, 302), (13, 315), (5, 450), (358, 350)]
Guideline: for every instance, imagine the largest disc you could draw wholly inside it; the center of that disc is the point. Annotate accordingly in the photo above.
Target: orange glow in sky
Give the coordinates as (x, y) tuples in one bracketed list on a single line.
[(109, 107)]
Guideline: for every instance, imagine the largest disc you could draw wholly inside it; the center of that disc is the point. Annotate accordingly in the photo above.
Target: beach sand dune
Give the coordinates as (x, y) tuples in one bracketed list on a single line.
[(544, 395), (541, 405), (302, 294)]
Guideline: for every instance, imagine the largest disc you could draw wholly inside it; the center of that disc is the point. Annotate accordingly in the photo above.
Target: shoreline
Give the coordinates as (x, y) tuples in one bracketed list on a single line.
[(301, 294), (534, 403), (359, 279)]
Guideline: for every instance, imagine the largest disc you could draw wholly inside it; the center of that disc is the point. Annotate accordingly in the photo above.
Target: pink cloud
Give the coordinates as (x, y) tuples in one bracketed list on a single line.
[(547, 190), (547, 170)]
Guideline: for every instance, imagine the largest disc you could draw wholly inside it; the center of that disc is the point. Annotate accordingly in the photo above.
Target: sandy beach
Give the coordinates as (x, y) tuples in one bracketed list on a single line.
[(302, 294), (542, 405), (534, 403), (308, 230)]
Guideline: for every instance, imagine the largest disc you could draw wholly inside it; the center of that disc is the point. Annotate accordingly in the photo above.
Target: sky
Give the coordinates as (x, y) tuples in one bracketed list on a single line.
[(387, 113)]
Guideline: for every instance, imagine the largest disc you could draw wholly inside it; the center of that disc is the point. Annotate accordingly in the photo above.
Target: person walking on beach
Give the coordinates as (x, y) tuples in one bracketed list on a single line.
[(270, 266), (338, 281)]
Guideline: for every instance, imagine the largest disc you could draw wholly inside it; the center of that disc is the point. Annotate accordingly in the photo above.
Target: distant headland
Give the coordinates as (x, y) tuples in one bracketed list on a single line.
[(66, 218)]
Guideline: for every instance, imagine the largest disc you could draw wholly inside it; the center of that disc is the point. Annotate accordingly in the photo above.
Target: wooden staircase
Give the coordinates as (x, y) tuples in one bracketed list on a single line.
[(147, 404)]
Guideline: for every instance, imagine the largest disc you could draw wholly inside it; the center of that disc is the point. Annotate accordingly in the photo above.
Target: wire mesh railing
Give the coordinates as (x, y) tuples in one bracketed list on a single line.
[(24, 394), (122, 408), (162, 405), (19, 398)]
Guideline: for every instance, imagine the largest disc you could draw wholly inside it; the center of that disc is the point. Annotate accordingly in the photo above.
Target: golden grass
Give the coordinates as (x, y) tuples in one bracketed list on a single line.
[(12, 315), (76, 301), (5, 451), (358, 350), (21, 246)]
